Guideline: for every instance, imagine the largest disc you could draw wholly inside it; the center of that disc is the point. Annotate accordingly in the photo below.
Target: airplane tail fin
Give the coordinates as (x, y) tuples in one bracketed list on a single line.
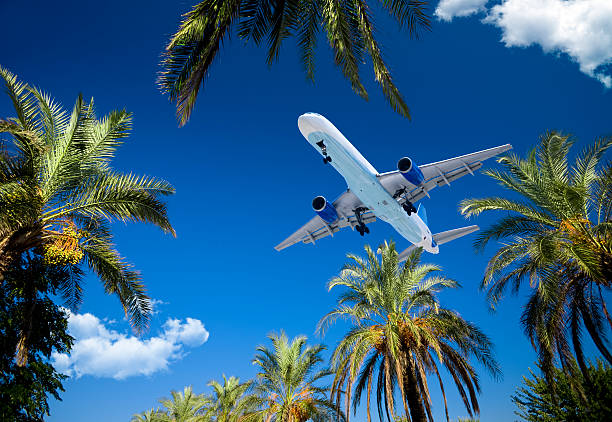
[(441, 238), (422, 212)]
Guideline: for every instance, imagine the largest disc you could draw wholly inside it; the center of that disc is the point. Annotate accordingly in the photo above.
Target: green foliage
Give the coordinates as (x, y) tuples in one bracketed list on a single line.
[(151, 415), (400, 334), (288, 382), (557, 234), (58, 193), (405, 419), (539, 401), (185, 406), (231, 401), (26, 308), (348, 25)]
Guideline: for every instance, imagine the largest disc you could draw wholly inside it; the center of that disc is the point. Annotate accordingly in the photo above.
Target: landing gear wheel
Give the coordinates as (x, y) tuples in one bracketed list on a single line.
[(326, 158), (409, 208), (361, 227)]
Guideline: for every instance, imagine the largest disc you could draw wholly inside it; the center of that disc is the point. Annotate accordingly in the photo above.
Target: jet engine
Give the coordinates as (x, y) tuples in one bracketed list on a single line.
[(325, 210), (410, 171)]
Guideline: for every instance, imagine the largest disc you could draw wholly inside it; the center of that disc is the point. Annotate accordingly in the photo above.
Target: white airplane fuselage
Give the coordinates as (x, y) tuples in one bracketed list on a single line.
[(361, 178)]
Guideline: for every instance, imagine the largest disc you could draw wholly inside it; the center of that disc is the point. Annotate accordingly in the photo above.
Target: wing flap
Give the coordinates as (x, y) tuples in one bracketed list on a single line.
[(439, 173), (395, 182), (317, 228)]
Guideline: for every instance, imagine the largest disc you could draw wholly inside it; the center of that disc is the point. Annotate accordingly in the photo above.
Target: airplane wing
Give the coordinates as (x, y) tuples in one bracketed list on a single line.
[(317, 228), (439, 173)]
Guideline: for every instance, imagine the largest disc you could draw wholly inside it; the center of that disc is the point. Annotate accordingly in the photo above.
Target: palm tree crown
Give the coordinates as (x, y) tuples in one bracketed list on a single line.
[(231, 401), (557, 233), (288, 382), (185, 406), (348, 25), (150, 415), (398, 330), (59, 194)]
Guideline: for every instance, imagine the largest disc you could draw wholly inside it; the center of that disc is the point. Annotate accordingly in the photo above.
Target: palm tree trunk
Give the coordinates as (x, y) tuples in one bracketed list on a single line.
[(22, 349), (411, 387), (15, 243), (5, 256)]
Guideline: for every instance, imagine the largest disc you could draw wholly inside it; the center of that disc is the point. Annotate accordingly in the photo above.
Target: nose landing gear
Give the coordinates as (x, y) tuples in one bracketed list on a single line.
[(326, 158)]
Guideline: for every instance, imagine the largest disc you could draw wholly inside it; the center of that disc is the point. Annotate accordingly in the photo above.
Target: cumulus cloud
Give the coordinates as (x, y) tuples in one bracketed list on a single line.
[(580, 28), (448, 9), (102, 352)]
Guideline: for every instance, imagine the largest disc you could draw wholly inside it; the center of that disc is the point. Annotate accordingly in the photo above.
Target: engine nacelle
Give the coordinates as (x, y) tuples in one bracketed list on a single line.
[(325, 210), (411, 172)]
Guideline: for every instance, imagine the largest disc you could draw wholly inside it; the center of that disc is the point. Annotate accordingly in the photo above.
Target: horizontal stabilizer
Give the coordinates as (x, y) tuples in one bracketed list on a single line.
[(447, 236), (442, 238)]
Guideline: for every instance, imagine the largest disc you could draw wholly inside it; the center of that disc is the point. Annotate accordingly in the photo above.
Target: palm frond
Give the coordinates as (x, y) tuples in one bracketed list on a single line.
[(192, 50), (410, 327), (551, 238)]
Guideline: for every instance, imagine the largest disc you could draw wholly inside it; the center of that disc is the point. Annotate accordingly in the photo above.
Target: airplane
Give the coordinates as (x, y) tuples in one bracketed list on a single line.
[(389, 196)]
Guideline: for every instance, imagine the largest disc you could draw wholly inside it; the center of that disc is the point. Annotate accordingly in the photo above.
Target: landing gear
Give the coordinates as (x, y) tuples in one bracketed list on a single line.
[(326, 158), (409, 207), (361, 227)]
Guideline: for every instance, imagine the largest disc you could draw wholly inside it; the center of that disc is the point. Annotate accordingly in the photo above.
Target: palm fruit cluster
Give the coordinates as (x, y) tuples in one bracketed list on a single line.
[(65, 248), (575, 227), (302, 410)]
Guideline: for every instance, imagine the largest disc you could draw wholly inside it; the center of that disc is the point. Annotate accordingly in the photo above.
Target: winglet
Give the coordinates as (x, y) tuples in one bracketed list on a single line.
[(441, 238)]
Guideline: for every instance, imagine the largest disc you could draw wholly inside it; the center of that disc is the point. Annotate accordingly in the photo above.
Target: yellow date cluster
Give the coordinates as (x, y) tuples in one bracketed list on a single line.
[(65, 247)]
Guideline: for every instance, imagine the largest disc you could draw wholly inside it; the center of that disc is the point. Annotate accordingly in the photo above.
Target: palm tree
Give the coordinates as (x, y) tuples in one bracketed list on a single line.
[(287, 382), (151, 416), (185, 407), (556, 233), (58, 195), (348, 25), (231, 401), (399, 335)]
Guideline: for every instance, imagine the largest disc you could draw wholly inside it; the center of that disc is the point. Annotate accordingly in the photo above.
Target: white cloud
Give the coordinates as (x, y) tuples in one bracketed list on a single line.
[(448, 9), (155, 305), (102, 352), (580, 28), (192, 333)]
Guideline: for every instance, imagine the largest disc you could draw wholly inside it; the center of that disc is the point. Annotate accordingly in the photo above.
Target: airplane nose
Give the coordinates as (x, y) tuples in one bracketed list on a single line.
[(309, 122)]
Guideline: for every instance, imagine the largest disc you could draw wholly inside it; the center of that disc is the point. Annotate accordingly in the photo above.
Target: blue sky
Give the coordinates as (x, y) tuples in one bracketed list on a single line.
[(245, 177)]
